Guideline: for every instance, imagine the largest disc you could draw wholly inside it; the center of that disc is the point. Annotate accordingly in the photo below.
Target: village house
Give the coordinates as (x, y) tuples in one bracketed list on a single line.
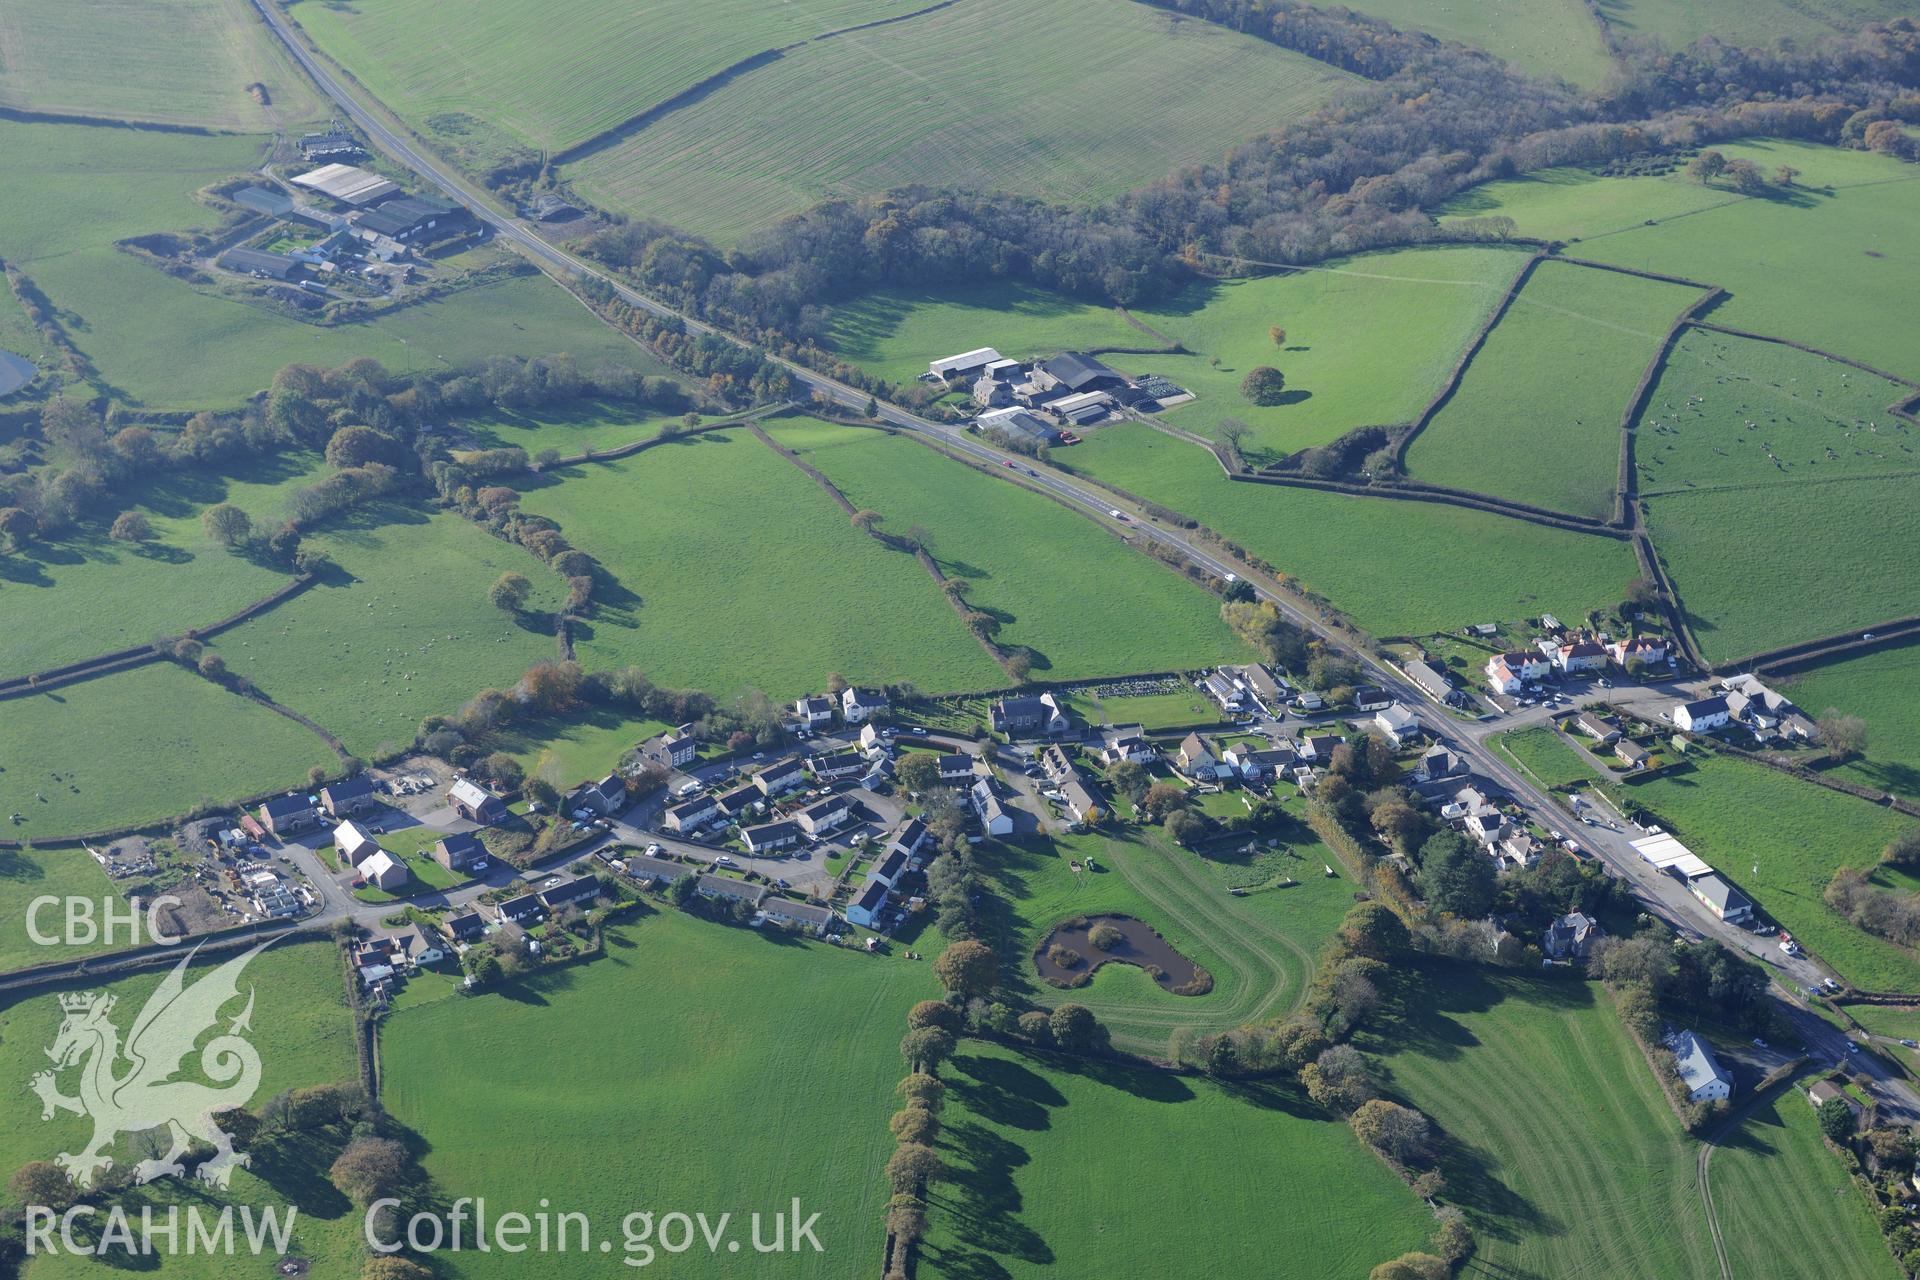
[(865, 910), (1370, 697), (1126, 742), (1570, 937), (1029, 716), (1196, 759), (475, 803), (1631, 754), (1764, 711), (1645, 650), (1438, 762), (909, 840), (857, 705), (770, 836), (1078, 798), (843, 764), (1398, 724), (738, 801), (1225, 691), (347, 797), (1488, 826), (691, 814), (1598, 727), (383, 871), (576, 892), (1581, 655), (1705, 1079), (822, 816), (354, 843), (425, 947), (873, 741), (519, 909), (285, 815), (813, 710), (673, 750), (1054, 761), (655, 871), (467, 926), (602, 797), (995, 820), (956, 768), (780, 777), (1433, 682), (809, 917), (991, 393), (461, 852), (1701, 715), (1509, 673), (1254, 762), (890, 869), (1824, 1091), (723, 889), (1265, 688), (1319, 747)]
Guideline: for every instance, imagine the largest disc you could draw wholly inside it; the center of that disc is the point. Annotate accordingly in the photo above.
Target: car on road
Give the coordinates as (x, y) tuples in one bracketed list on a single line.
[(1758, 1043), (722, 860), (1007, 463), (551, 882), (653, 850), (1791, 947), (1911, 1044), (1116, 513)]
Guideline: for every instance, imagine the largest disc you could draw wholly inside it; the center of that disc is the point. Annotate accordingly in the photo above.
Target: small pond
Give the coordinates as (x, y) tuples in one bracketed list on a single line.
[(15, 372), (1070, 954)]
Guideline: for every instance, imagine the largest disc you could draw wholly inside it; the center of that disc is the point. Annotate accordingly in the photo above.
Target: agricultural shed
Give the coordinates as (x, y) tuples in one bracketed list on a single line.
[(347, 183)]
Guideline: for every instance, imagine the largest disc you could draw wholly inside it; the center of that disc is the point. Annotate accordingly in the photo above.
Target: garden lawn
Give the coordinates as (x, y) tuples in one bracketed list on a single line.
[(1781, 840), (304, 1035), (553, 73), (896, 333), (1078, 599), (1551, 381), (944, 99), (1560, 1147), (1545, 755), (399, 629), (1884, 689), (46, 873), (1037, 1189), (1153, 712), (1734, 413), (725, 566), (139, 746), (1546, 38), (1370, 340), (1397, 568), (1771, 565), (180, 62), (1786, 1204), (730, 1072), (587, 744), (75, 190)]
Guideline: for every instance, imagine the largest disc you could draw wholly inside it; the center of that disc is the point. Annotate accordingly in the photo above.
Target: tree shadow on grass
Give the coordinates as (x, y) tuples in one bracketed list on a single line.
[(295, 1165), (1004, 1092), (978, 1197)]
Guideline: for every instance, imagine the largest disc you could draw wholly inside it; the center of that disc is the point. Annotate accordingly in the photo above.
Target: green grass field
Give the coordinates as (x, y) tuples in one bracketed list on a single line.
[(555, 74), (1746, 23), (1152, 711), (1784, 1199), (727, 567), (401, 630), (1543, 753), (1741, 602), (583, 746), (1884, 688), (158, 341), (47, 873), (1398, 568), (1039, 1190), (304, 1036), (1577, 204), (1733, 413), (1551, 381), (730, 1072), (1781, 840), (139, 746), (1370, 339), (181, 62), (1566, 1158), (1546, 38), (1081, 600), (572, 431), (944, 99)]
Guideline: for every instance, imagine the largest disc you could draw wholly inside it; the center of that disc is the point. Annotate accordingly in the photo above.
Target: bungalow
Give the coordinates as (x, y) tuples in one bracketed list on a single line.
[(1029, 716), (724, 889), (1079, 799), (783, 776), (1197, 759), (1308, 700), (651, 870), (1765, 711), (1631, 754), (1258, 762), (354, 843), (1433, 682), (348, 796), (962, 365), (1643, 650), (1571, 937), (814, 709), (995, 820), (738, 801), (1825, 1091), (1721, 898), (825, 815), (1581, 655), (1266, 688), (1370, 697), (809, 917), (909, 839), (466, 927), (475, 803), (460, 852), (865, 910), (1702, 714), (1439, 761), (956, 767), (283, 815), (1598, 727), (383, 871), (426, 947), (1126, 742), (1225, 690), (691, 814), (1399, 724), (858, 704), (1318, 747), (1510, 672), (844, 764), (604, 796), (580, 889), (520, 909), (1704, 1077), (770, 836)]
